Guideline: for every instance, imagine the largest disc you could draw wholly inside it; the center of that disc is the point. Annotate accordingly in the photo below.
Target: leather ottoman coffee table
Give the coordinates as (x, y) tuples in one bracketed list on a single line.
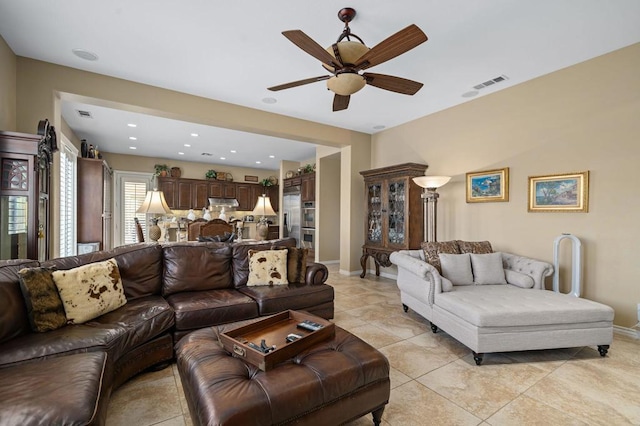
[(332, 382)]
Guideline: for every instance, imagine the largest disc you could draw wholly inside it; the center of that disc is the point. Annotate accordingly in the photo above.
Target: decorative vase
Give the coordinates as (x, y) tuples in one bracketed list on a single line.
[(84, 149)]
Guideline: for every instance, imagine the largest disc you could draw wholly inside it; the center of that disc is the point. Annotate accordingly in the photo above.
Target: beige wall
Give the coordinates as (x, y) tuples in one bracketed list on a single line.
[(8, 89), (585, 117), (328, 203)]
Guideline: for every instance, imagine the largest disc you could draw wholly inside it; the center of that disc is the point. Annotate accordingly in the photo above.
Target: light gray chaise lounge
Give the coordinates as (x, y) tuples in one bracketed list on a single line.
[(504, 307)]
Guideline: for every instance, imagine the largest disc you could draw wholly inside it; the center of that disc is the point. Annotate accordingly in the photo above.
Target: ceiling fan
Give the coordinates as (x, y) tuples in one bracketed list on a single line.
[(347, 60)]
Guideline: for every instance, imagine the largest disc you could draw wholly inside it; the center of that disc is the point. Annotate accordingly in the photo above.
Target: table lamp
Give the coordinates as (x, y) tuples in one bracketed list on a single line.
[(154, 203), (263, 208)]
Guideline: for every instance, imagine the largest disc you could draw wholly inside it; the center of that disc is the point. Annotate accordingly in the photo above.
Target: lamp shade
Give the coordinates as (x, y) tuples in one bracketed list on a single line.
[(431, 181), (154, 202), (263, 207)]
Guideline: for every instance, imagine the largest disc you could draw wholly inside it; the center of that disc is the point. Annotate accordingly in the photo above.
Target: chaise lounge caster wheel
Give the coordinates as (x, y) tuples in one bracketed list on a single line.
[(405, 308), (434, 328), (603, 349), (477, 358)]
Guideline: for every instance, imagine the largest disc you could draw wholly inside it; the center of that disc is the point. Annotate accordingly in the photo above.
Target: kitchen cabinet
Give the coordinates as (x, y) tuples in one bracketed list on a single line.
[(94, 203), (274, 195), (184, 196), (199, 194), (393, 213), (169, 186), (222, 189), (308, 187), (25, 176), (243, 195)]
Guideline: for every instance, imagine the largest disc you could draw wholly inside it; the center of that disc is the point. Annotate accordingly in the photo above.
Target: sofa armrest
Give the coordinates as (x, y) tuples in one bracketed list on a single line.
[(317, 273), (415, 276), (536, 269)]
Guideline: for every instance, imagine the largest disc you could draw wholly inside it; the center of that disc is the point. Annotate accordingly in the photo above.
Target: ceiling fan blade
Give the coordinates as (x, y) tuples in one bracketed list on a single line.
[(395, 45), (394, 84), (299, 83), (307, 44), (340, 102)]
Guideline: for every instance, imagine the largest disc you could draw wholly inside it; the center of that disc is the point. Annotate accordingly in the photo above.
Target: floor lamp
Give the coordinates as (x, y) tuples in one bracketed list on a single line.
[(263, 208), (430, 202), (154, 203)]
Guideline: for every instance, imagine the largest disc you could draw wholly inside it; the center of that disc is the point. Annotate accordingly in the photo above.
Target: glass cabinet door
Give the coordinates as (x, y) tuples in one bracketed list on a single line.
[(396, 210), (374, 219)]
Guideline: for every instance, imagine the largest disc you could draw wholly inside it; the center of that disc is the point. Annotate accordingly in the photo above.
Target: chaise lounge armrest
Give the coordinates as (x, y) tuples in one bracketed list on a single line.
[(536, 269)]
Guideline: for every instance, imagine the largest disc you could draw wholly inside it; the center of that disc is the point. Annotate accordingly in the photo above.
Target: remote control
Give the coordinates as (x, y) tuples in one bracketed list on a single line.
[(293, 337), (309, 325)]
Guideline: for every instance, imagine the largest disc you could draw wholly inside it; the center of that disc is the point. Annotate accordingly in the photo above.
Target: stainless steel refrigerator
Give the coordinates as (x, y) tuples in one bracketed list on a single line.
[(292, 213)]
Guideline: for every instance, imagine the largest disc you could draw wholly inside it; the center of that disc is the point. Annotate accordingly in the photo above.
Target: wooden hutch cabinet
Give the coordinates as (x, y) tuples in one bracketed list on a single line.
[(94, 205), (393, 213), (25, 181)]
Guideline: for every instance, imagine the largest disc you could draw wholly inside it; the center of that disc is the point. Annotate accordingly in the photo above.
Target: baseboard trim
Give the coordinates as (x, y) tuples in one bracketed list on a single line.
[(330, 262), (626, 331)]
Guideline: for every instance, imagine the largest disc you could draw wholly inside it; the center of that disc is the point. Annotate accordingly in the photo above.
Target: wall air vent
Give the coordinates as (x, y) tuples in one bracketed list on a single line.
[(207, 154), (491, 82), (84, 114)]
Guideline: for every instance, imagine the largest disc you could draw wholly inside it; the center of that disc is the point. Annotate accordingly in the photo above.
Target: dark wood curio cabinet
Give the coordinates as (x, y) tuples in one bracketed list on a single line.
[(25, 183), (393, 212)]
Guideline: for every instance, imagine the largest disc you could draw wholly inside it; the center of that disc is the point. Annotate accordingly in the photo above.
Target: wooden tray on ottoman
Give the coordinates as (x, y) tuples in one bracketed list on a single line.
[(274, 331)]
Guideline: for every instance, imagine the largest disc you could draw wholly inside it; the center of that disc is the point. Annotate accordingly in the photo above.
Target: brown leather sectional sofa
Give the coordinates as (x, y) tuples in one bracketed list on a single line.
[(66, 376)]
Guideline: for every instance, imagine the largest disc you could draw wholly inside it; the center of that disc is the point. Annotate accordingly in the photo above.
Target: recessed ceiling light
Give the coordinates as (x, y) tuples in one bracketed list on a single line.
[(272, 156), (132, 125), (223, 158), (85, 54), (133, 147), (379, 127), (470, 94), (269, 100), (195, 135), (133, 138), (188, 145), (180, 153), (258, 162), (233, 151)]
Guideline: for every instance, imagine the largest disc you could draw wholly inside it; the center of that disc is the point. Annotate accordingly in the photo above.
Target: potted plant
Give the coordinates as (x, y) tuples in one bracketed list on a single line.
[(211, 174), (161, 170), (266, 182), (308, 168)]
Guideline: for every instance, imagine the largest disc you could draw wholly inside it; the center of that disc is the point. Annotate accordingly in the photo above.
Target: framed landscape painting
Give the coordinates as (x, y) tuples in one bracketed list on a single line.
[(559, 193), (490, 185)]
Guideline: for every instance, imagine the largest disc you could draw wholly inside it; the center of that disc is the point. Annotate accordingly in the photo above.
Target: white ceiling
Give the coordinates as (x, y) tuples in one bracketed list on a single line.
[(233, 51)]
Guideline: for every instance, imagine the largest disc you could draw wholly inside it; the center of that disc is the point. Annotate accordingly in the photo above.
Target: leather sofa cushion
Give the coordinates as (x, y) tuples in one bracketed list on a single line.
[(64, 390), (13, 312), (241, 256), (206, 308), (506, 305), (115, 333), (140, 266), (196, 267), (294, 296)]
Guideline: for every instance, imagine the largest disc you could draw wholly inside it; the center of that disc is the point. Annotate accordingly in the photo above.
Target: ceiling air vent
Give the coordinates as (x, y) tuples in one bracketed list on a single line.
[(207, 154), (84, 114), (491, 82)]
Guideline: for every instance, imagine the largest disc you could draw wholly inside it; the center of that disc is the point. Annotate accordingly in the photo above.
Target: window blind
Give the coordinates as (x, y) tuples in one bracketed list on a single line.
[(67, 201), (134, 193)]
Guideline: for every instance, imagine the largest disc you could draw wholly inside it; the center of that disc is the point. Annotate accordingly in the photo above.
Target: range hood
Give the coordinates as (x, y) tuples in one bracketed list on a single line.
[(223, 202)]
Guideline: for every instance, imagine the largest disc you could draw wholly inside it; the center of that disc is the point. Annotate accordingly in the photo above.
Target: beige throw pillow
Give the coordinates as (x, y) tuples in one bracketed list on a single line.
[(487, 268), (267, 267), (456, 268), (90, 290)]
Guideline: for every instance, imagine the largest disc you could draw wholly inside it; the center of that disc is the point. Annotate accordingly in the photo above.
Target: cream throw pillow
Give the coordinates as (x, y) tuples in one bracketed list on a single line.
[(267, 267), (90, 290), (487, 268), (456, 268)]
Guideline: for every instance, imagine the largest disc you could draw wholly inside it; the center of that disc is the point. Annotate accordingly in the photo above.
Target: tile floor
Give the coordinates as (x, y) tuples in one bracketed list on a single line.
[(434, 379)]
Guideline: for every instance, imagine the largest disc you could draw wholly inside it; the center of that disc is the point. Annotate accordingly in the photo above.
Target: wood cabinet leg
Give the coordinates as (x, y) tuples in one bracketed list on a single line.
[(363, 263), (377, 267)]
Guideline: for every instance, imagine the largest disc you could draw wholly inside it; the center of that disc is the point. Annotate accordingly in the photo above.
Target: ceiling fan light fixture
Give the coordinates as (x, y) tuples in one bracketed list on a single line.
[(346, 84), (349, 51)]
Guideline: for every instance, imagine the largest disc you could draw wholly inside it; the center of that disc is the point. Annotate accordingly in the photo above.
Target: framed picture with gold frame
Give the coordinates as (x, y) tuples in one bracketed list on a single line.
[(567, 192), (488, 186)]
